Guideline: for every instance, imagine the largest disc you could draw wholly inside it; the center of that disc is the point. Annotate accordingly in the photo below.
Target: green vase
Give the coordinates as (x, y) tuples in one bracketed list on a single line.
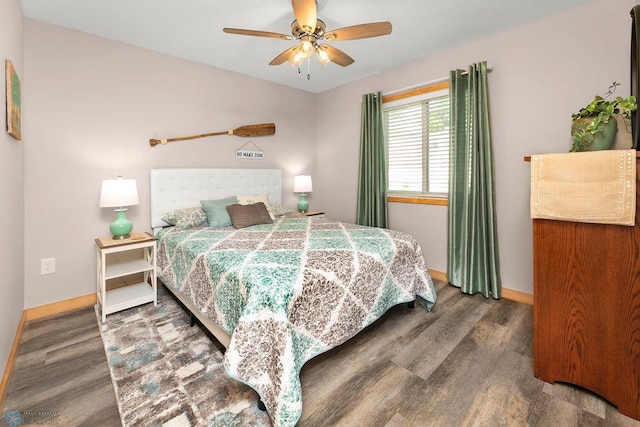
[(602, 140), (121, 227), (303, 205)]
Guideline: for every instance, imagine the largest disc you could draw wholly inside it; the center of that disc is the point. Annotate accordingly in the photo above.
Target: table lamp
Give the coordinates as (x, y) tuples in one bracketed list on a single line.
[(302, 184), (119, 193)]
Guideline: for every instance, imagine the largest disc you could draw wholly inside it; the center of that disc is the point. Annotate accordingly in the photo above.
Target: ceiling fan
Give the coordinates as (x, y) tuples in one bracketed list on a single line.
[(310, 31)]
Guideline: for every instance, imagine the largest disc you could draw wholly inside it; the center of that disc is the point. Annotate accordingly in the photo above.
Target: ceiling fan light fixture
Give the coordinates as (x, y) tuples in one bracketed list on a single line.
[(323, 55), (296, 59), (305, 53), (306, 44)]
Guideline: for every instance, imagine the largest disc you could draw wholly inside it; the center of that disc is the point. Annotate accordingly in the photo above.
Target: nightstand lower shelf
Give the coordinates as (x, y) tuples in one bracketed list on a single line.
[(127, 297)]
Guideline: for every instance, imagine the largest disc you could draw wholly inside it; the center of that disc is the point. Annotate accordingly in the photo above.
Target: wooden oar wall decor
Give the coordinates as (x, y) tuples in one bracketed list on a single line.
[(247, 131)]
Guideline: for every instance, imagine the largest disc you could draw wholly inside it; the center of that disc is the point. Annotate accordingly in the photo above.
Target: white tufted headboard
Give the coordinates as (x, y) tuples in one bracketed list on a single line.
[(173, 189)]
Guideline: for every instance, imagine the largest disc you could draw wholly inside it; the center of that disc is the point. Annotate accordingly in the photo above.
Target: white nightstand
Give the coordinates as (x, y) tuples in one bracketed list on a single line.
[(128, 296)]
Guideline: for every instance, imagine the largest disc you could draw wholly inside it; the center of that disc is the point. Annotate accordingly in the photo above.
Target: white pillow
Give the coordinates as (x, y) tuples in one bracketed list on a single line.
[(250, 200)]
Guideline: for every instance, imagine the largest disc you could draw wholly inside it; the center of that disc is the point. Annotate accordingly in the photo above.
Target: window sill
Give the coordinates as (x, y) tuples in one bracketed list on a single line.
[(418, 200)]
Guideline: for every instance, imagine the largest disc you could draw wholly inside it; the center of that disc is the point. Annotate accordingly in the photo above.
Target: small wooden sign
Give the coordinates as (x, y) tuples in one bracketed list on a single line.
[(257, 153), (249, 154)]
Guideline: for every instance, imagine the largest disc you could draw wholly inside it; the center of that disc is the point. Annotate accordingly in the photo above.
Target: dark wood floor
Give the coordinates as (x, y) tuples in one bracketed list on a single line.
[(466, 363)]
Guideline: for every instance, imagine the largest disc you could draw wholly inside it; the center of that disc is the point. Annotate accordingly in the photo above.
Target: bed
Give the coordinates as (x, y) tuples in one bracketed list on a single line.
[(277, 294)]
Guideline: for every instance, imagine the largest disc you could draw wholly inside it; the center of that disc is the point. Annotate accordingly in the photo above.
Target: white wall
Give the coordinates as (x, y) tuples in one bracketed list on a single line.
[(11, 188), (543, 72), (91, 106)]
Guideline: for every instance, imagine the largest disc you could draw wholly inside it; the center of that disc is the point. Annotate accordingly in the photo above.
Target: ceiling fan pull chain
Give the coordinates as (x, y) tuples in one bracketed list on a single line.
[(309, 69)]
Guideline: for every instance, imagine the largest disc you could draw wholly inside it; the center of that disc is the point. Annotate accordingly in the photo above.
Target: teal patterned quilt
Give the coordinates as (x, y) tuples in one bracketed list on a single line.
[(288, 291)]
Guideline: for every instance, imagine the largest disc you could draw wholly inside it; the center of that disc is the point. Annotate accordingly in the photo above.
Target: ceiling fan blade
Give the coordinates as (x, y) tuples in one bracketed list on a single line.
[(362, 31), (257, 33), (337, 56), (306, 14), (284, 56)]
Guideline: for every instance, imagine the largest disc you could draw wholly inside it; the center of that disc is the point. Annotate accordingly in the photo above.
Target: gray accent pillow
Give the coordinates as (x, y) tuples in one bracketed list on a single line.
[(216, 211), (250, 200), (186, 217), (247, 215)]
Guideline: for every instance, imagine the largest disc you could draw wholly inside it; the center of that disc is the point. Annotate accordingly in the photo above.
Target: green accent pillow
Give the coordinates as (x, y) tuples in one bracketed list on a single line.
[(216, 211), (186, 217)]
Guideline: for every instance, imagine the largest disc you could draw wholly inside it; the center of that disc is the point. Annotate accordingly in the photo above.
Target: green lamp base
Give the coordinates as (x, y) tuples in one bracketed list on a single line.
[(303, 205), (121, 227)]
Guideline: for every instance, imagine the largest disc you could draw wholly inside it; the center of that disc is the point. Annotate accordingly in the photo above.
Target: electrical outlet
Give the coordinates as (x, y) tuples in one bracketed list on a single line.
[(47, 266)]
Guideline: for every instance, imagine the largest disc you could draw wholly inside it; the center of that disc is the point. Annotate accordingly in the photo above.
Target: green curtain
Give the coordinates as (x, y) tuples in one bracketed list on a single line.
[(472, 255), (372, 176)]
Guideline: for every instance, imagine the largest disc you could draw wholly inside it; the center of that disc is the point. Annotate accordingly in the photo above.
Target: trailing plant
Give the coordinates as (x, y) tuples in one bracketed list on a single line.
[(600, 111)]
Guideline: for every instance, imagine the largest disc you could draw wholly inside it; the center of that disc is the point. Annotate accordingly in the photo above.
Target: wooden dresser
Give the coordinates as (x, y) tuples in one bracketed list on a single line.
[(587, 307)]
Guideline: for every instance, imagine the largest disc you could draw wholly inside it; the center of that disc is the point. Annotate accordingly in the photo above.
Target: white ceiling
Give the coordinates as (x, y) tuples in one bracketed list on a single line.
[(192, 29)]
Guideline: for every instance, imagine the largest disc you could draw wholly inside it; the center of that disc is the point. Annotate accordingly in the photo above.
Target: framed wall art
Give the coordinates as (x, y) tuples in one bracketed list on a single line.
[(14, 117)]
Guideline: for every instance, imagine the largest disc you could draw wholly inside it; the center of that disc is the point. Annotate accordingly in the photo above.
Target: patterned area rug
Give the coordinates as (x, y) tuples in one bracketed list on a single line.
[(166, 373)]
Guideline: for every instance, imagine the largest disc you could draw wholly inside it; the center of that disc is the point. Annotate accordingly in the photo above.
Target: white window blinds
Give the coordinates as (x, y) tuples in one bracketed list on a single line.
[(418, 146)]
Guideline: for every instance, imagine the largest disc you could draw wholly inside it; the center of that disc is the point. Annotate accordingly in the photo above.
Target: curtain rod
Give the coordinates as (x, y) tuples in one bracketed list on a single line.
[(430, 83)]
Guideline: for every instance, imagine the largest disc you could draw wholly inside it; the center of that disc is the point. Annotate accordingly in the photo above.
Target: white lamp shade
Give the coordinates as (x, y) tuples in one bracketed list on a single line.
[(302, 184), (118, 192)]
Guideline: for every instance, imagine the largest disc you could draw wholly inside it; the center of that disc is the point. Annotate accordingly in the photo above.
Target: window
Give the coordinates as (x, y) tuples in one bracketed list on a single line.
[(417, 134)]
